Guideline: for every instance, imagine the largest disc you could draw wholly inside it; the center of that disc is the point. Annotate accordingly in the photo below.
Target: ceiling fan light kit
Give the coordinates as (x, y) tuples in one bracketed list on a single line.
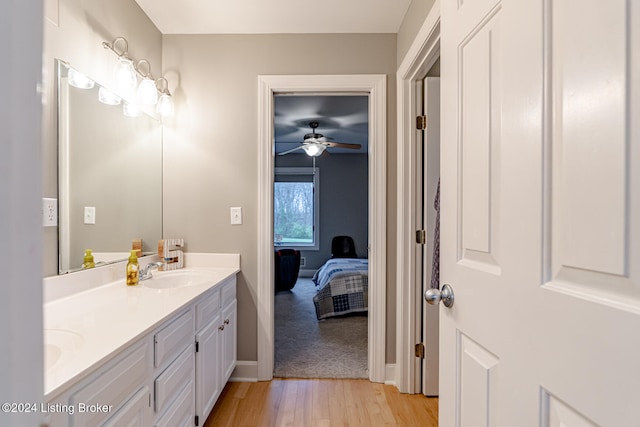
[(314, 149), (314, 143)]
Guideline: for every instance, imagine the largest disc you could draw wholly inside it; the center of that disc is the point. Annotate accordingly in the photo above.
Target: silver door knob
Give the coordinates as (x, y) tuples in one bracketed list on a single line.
[(434, 296)]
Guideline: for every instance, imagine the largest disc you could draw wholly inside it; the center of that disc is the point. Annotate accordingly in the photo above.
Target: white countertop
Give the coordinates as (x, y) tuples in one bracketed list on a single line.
[(94, 324)]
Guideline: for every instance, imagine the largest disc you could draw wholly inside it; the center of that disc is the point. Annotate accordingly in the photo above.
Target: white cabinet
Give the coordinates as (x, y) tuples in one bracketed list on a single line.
[(208, 367), (111, 388), (180, 413), (134, 413), (229, 339), (216, 347), (170, 376)]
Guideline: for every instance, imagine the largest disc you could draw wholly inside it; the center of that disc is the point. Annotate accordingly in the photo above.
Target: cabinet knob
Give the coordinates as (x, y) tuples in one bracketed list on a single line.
[(221, 327), (226, 321)]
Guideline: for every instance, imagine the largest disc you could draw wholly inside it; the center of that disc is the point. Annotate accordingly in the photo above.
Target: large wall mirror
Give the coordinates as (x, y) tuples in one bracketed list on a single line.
[(109, 175)]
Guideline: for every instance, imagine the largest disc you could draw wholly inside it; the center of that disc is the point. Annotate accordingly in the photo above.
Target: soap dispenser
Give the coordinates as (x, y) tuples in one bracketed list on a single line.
[(88, 259), (132, 269)]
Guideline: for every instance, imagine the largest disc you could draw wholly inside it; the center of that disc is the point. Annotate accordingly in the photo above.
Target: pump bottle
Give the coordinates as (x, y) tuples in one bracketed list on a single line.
[(132, 269)]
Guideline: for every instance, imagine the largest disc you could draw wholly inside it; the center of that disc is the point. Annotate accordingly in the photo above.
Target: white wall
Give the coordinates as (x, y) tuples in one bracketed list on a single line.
[(21, 359), (211, 146)]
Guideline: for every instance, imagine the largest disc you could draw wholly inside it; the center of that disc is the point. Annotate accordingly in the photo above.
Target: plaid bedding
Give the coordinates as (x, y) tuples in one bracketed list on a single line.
[(343, 285)]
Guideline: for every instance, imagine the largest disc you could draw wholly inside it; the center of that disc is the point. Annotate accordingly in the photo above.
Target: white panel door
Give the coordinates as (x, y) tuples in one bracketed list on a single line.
[(431, 176), (540, 213)]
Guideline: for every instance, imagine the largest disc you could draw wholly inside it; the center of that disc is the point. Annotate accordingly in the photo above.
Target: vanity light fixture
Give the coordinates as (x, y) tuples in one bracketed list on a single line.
[(165, 102), (130, 109), (150, 91), (107, 97), (147, 91), (79, 80)]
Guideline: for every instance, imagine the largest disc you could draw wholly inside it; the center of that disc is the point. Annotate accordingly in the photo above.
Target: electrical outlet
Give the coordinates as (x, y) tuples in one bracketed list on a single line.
[(89, 215), (49, 212), (303, 261), (236, 216)]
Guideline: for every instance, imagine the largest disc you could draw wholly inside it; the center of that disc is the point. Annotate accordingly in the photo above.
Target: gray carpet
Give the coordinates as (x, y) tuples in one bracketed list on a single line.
[(308, 348)]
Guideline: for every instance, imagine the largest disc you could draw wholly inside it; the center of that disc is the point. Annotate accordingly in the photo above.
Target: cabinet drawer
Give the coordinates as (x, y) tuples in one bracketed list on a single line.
[(112, 388), (173, 338), (174, 379), (134, 413), (228, 291), (206, 309), (180, 413)]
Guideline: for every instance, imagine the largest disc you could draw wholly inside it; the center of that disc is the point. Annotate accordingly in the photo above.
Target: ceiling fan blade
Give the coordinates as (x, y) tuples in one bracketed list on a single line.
[(343, 145), (290, 151)]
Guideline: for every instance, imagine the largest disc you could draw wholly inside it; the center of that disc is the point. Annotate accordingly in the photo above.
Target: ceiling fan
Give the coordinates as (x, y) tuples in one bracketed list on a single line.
[(314, 143)]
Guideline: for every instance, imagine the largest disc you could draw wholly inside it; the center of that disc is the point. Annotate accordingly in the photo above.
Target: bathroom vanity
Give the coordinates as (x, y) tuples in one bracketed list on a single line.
[(155, 354)]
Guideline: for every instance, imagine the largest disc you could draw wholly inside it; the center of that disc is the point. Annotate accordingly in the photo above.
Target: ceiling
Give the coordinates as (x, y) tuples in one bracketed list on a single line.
[(341, 118), (275, 16)]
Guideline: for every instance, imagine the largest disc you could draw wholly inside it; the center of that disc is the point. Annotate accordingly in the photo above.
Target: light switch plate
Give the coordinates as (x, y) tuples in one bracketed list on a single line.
[(89, 215), (236, 216)]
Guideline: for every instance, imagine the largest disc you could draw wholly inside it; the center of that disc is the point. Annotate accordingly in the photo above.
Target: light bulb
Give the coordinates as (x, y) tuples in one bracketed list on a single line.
[(165, 105), (125, 77), (313, 149), (147, 92), (107, 97), (79, 80), (131, 110)]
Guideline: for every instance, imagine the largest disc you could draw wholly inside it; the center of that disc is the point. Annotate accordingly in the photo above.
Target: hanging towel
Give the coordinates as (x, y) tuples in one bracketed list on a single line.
[(435, 266)]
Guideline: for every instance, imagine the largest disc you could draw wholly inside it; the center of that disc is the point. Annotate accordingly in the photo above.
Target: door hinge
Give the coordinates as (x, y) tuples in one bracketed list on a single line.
[(421, 237), (421, 122), (420, 350), (197, 420)]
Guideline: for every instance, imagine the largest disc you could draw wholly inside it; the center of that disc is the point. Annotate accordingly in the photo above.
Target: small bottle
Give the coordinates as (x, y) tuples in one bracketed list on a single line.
[(132, 269), (88, 259)]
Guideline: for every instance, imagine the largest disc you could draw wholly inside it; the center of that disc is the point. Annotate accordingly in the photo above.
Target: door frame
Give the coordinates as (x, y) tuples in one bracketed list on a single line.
[(376, 86), (422, 54)]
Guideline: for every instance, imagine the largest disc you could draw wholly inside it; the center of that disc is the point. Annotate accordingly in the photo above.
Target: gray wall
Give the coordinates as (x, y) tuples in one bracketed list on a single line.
[(411, 24), (211, 152), (343, 201), (74, 32)]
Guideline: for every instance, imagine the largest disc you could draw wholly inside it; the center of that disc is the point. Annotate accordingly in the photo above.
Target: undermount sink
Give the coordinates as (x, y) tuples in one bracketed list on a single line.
[(58, 343), (178, 279)]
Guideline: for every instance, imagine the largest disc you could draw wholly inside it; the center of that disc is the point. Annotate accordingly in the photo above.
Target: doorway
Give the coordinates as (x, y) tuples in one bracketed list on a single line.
[(375, 87), (318, 197), (421, 57)]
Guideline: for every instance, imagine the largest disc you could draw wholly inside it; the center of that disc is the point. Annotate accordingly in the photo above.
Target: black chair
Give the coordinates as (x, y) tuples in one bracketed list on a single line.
[(287, 267), (343, 247)]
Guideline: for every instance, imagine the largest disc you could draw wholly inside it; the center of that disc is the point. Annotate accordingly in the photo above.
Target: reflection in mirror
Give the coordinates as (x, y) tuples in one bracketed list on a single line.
[(109, 176)]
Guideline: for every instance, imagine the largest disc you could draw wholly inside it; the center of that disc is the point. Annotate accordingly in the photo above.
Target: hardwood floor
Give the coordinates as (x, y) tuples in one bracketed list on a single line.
[(321, 403)]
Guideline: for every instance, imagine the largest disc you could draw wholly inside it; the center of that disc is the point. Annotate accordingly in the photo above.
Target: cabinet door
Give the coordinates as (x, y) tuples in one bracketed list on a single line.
[(208, 367), (229, 340), (135, 413)]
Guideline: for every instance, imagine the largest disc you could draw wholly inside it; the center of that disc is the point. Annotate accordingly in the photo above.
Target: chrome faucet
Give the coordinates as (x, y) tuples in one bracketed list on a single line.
[(145, 272)]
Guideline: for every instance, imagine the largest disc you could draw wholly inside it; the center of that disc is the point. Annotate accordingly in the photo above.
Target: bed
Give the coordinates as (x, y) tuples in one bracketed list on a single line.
[(343, 287)]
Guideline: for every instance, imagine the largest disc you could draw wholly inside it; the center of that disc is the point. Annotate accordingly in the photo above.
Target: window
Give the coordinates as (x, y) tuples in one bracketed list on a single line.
[(295, 207)]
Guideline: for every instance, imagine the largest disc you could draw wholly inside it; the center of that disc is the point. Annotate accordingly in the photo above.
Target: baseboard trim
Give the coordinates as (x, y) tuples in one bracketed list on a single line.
[(245, 371), (390, 374)]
